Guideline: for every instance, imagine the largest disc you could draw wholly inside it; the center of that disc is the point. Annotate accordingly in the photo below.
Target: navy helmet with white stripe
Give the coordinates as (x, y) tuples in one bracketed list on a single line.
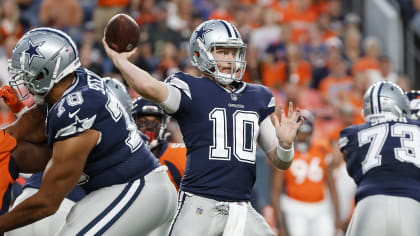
[(156, 132), (385, 100), (40, 59), (203, 43)]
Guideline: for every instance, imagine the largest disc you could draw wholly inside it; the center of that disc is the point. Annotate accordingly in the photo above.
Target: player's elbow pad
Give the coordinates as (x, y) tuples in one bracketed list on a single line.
[(285, 155)]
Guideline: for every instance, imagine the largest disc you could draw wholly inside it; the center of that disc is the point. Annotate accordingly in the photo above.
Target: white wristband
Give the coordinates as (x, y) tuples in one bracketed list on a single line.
[(285, 155)]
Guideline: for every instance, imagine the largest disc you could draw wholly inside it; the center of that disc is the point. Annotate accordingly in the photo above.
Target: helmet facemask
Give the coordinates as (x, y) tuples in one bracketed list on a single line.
[(24, 82), (155, 130), (304, 136), (237, 65), (414, 99)]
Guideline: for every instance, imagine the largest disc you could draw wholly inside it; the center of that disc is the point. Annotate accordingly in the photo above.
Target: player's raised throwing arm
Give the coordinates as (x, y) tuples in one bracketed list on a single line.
[(276, 137), (139, 80)]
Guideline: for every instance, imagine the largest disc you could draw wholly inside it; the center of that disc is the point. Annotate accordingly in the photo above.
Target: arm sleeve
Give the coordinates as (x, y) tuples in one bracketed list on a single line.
[(172, 102), (179, 95), (267, 137)]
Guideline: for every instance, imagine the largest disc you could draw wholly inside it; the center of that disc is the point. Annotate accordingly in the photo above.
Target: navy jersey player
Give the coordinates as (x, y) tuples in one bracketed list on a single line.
[(222, 120), (50, 225), (383, 158), (95, 143)]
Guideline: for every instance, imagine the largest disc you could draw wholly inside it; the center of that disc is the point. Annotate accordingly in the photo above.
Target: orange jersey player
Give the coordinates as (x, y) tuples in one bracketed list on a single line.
[(25, 157), (307, 174), (8, 170), (152, 121), (303, 204), (173, 155)]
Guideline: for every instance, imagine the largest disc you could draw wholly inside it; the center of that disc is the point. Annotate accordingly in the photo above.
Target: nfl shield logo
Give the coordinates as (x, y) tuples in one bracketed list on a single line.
[(234, 97), (199, 211)]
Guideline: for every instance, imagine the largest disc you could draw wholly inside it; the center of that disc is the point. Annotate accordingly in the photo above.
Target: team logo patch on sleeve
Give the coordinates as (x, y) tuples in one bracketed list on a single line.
[(76, 127)]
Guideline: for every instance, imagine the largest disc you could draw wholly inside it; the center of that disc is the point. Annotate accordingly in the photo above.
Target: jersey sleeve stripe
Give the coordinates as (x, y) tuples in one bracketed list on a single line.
[(342, 142)]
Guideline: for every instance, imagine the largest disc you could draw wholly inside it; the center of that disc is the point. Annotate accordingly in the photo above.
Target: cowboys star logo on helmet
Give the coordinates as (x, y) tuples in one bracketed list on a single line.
[(202, 32), (33, 50)]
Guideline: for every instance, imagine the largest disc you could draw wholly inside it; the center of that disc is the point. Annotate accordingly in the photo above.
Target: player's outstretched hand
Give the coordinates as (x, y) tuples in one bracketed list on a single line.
[(287, 127), (114, 55), (10, 99)]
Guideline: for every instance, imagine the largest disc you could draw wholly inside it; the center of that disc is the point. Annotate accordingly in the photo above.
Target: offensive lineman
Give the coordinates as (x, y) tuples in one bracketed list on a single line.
[(383, 158)]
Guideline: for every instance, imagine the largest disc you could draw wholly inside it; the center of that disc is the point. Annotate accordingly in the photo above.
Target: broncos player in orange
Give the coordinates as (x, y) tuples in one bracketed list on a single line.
[(8, 169), (304, 205), (14, 158), (152, 121)]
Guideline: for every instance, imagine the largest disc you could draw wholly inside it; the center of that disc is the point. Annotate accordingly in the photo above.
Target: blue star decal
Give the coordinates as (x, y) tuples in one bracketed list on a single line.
[(33, 51), (201, 32), (78, 124)]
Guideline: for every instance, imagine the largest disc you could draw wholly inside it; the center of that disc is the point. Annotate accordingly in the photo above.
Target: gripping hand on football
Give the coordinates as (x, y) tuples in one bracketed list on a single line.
[(287, 127), (116, 56)]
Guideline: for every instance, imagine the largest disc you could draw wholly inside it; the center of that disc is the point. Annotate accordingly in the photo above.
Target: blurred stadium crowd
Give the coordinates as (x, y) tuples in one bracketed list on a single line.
[(311, 52)]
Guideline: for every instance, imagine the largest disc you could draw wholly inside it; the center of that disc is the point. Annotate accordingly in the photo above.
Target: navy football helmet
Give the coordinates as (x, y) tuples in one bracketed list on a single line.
[(414, 98), (156, 131)]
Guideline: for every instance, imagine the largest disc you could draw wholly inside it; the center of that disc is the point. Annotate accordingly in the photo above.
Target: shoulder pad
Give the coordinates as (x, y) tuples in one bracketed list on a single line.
[(176, 81)]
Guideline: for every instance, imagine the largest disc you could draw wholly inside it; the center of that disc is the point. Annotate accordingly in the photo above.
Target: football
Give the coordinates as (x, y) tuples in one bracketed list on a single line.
[(122, 33)]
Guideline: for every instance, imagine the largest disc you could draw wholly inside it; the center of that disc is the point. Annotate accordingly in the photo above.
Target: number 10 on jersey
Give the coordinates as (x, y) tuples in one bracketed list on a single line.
[(244, 135)]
